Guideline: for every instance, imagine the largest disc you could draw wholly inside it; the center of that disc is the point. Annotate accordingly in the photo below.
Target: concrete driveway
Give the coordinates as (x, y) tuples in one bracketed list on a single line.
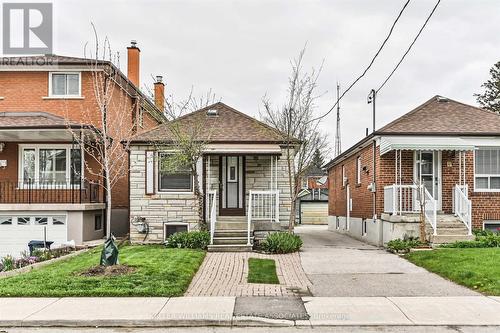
[(338, 265)]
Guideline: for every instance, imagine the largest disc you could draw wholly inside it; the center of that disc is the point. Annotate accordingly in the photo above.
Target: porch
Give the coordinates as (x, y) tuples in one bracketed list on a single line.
[(430, 175), (243, 195)]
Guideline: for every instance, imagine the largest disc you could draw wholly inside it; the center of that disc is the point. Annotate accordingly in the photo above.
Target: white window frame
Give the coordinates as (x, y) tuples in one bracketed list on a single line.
[(37, 147), (358, 170), (494, 222), (165, 224), (157, 178), (79, 95), (483, 175)]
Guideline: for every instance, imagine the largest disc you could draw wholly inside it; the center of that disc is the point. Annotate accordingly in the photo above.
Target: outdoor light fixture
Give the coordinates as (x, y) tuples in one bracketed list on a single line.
[(2, 145)]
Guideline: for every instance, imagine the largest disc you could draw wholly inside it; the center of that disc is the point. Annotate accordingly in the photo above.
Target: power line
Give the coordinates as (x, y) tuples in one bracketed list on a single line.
[(338, 144), (409, 48), (369, 65)]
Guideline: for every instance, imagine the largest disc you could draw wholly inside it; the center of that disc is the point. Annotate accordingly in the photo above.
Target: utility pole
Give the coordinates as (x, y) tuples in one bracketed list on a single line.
[(371, 100), (338, 144)]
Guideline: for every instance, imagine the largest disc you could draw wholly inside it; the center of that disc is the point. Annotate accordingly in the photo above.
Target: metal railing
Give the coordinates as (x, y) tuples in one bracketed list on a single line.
[(212, 212), (400, 199), (31, 192), (462, 206), (262, 206)]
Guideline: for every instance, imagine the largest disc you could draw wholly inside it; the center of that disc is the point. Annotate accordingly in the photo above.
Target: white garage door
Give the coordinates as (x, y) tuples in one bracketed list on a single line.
[(17, 230), (314, 212)]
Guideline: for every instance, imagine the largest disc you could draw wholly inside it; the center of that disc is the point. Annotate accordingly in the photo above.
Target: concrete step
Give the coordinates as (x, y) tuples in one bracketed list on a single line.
[(452, 231), (231, 225), (444, 239), (230, 240), (229, 248), (232, 218), (230, 233)]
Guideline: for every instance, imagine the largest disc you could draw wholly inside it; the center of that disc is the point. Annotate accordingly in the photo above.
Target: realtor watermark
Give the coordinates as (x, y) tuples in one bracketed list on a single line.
[(27, 28)]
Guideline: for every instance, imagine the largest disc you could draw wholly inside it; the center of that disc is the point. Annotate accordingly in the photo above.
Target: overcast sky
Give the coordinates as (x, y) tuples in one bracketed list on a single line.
[(242, 49)]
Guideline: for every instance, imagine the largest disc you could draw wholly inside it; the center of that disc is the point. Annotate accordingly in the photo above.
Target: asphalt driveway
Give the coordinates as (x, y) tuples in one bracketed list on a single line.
[(338, 265)]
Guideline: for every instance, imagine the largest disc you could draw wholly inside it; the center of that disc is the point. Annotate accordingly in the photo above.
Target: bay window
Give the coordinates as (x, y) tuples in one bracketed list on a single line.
[(487, 169), (50, 164), (180, 180)]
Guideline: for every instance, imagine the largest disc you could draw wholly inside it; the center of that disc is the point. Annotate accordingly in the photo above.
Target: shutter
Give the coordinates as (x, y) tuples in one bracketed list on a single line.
[(150, 172)]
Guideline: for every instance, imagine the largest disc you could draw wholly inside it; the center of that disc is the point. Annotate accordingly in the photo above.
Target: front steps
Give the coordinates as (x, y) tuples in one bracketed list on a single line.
[(231, 235), (449, 229)]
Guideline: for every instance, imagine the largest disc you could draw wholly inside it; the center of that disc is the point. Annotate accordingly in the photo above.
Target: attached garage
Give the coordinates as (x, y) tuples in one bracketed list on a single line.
[(17, 230)]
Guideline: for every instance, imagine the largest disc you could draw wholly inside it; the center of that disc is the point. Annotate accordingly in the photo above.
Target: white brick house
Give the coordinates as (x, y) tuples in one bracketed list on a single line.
[(243, 176)]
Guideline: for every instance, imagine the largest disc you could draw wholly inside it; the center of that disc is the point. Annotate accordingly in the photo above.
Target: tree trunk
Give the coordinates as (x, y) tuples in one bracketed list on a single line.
[(200, 201), (108, 206)]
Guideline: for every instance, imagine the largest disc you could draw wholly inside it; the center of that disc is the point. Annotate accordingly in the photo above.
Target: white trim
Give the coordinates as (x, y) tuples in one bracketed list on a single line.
[(51, 95), (37, 147), (479, 190), (1, 98), (435, 173), (165, 224)]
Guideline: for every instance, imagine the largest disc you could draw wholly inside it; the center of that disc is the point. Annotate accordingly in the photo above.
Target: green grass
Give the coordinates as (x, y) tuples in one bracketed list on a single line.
[(158, 272), (262, 271), (478, 269)]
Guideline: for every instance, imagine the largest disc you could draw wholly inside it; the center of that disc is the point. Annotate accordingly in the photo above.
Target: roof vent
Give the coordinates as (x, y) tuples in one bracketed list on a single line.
[(442, 99), (212, 112)]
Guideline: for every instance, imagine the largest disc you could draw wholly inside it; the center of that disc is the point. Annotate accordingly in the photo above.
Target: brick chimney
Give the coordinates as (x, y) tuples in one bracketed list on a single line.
[(133, 57), (160, 93)]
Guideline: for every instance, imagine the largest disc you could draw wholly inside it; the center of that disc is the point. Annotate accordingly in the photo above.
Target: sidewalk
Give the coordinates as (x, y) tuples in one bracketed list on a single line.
[(223, 311)]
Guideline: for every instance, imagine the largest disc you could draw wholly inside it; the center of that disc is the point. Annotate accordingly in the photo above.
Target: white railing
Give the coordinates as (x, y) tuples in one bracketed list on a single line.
[(262, 206), (400, 199), (212, 212), (462, 206)]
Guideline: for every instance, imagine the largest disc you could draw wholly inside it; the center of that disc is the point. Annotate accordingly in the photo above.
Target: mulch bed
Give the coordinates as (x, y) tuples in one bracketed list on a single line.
[(114, 270)]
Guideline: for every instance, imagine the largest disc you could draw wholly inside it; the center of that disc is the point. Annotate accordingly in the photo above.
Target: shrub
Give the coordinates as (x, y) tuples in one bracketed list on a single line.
[(189, 240), (8, 263), (484, 238), (281, 242), (403, 245)]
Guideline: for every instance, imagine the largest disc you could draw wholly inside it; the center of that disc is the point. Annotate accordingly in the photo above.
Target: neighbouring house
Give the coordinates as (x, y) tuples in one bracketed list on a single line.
[(313, 198), (243, 175), (45, 188), (451, 148)]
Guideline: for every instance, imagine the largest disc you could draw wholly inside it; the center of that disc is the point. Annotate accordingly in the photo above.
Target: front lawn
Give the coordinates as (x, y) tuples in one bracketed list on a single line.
[(157, 271), (262, 271), (478, 268)]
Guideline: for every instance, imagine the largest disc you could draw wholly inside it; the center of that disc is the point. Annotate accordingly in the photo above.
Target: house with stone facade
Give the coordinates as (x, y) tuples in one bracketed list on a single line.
[(242, 175), (442, 157), (47, 191)]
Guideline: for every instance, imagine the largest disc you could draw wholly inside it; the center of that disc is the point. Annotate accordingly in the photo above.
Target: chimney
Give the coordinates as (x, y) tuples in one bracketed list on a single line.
[(133, 57), (160, 93)]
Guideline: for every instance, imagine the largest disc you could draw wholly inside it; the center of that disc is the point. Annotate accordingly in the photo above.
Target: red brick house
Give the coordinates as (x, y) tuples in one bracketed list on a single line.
[(450, 148), (44, 184)]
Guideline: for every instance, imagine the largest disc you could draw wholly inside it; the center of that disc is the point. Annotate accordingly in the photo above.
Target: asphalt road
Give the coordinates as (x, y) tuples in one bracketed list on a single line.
[(339, 265)]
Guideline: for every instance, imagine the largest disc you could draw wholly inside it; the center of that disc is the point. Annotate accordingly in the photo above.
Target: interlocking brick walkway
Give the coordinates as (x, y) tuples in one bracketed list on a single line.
[(225, 274)]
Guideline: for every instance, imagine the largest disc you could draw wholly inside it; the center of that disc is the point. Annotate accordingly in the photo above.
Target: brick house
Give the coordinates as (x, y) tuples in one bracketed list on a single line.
[(242, 174), (444, 153), (45, 186)]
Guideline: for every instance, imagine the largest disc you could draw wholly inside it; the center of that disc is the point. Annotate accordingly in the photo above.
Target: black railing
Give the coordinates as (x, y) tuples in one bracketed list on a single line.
[(84, 191)]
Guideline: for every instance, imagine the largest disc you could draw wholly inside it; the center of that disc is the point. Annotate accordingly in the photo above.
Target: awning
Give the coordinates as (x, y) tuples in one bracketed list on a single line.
[(243, 149), (388, 143)]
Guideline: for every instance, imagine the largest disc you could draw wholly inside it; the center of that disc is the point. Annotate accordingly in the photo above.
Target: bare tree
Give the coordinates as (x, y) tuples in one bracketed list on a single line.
[(295, 120), (186, 140), (110, 122)]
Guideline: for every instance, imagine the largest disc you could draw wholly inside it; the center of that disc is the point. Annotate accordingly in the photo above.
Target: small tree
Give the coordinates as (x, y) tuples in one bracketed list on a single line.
[(295, 120), (490, 99), (108, 124)]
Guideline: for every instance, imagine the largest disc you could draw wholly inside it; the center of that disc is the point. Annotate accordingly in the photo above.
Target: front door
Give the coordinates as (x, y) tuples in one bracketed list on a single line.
[(232, 192), (427, 171)]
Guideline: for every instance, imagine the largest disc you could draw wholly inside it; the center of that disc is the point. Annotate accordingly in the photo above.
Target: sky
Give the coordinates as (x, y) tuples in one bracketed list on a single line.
[(241, 50)]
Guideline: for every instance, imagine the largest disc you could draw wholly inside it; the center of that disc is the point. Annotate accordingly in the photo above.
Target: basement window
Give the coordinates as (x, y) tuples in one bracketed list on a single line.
[(491, 225), (171, 228)]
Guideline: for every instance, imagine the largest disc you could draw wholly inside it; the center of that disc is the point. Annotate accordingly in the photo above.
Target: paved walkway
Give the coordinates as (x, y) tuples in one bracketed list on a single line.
[(338, 265), (220, 311), (225, 274)]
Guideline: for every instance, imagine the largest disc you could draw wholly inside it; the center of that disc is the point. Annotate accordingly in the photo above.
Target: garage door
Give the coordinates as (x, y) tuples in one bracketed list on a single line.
[(17, 230), (314, 212)]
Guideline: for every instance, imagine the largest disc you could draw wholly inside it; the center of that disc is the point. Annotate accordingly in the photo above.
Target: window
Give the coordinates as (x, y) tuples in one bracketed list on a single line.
[(41, 220), (58, 220), (97, 222), (491, 225), (171, 228), (344, 178), (58, 165), (358, 170), (487, 169), (64, 84), (5, 220), (179, 180), (363, 227), (25, 220)]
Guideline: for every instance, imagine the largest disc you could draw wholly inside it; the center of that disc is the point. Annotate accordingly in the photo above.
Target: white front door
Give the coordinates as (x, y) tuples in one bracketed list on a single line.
[(427, 171)]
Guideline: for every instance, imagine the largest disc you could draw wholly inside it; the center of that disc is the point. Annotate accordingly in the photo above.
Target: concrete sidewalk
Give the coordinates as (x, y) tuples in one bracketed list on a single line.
[(220, 311)]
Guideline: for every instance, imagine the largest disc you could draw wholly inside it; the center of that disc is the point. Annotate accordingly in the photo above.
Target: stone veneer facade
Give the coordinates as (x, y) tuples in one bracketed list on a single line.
[(168, 207)]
